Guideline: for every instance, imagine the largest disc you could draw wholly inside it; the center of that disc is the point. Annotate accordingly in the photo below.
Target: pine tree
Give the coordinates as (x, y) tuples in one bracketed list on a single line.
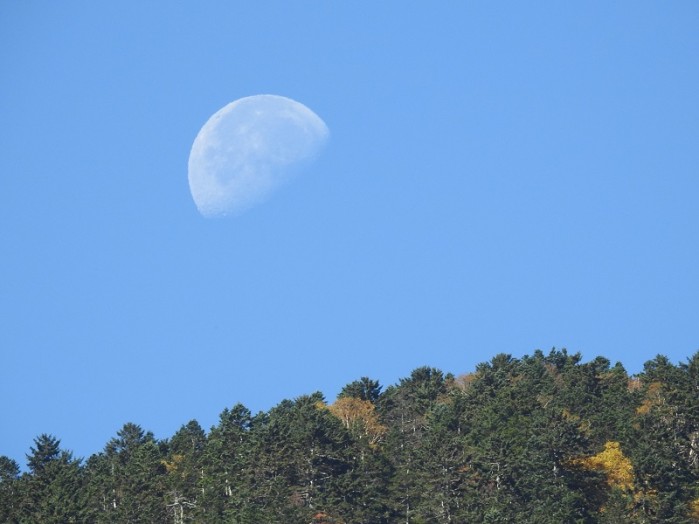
[(50, 490), (404, 409), (9, 486), (227, 480), (126, 482), (363, 389), (184, 466), (667, 423)]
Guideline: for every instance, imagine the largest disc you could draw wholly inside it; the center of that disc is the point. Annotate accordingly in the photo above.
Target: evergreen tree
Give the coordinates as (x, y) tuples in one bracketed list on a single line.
[(50, 491), (127, 480), (404, 409), (665, 442), (227, 481), (303, 458), (9, 489), (363, 389), (184, 467)]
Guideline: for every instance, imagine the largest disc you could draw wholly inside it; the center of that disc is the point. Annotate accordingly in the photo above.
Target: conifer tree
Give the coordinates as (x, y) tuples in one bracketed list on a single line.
[(227, 479), (184, 468), (127, 480), (9, 489), (50, 491)]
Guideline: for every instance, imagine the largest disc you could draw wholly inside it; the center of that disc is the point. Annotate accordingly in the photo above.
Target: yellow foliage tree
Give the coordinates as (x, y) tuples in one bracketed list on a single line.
[(359, 417), (694, 509), (613, 463)]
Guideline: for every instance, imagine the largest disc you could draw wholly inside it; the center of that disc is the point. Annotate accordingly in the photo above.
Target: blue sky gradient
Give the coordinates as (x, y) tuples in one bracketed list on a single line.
[(500, 177)]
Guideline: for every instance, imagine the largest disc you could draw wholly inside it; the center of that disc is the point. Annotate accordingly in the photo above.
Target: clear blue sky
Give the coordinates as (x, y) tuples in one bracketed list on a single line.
[(500, 177)]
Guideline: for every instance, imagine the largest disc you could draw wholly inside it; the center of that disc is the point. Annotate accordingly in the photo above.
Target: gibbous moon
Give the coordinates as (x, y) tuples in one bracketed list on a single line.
[(249, 148)]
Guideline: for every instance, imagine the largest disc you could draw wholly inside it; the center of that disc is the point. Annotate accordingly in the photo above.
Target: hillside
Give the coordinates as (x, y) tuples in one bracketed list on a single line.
[(546, 438)]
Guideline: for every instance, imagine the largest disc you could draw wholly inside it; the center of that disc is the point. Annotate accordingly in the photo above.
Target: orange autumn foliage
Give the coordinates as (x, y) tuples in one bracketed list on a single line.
[(359, 417)]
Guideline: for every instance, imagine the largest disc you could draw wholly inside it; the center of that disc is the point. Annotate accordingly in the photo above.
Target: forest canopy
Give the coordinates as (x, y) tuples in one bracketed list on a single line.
[(545, 438)]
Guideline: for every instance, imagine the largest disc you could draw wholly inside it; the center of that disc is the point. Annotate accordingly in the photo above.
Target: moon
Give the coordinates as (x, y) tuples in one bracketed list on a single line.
[(249, 148)]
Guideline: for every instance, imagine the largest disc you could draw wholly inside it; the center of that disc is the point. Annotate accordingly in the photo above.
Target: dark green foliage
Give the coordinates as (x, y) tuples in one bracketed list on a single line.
[(225, 480), (50, 491), (185, 468), (302, 443), (127, 480), (667, 437), (9, 489), (519, 440), (364, 389), (406, 409)]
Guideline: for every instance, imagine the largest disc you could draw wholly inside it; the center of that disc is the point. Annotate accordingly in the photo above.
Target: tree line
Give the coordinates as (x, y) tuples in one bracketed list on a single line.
[(545, 438)]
